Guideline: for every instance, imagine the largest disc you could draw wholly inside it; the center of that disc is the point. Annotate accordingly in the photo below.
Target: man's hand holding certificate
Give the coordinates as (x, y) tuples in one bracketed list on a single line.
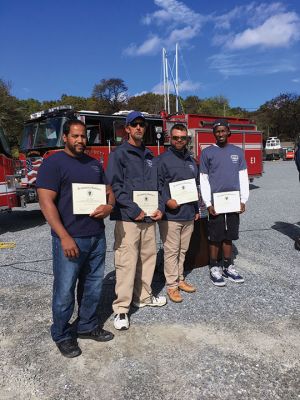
[(184, 191), (87, 197), (227, 202), (146, 200)]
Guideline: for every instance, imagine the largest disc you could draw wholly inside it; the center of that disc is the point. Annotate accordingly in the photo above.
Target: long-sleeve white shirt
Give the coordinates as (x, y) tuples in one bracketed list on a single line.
[(206, 189)]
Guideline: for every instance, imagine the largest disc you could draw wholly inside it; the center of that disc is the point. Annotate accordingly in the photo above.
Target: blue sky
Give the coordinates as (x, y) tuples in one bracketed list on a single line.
[(245, 51)]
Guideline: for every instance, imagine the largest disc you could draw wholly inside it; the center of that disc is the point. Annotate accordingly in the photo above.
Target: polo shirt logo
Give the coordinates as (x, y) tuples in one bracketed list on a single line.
[(234, 158), (149, 163), (95, 168)]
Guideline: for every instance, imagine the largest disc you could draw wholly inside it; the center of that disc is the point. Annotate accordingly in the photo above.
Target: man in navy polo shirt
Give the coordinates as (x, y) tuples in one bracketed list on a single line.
[(78, 241), (223, 169)]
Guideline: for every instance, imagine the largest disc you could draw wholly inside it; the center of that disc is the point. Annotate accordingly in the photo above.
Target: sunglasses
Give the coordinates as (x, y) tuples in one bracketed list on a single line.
[(135, 124), (179, 137)]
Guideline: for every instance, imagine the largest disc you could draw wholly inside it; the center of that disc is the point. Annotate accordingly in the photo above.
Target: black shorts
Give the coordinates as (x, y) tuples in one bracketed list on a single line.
[(223, 227)]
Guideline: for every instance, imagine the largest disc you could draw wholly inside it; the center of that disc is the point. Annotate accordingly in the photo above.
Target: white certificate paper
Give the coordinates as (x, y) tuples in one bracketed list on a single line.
[(87, 197), (227, 202), (184, 191), (146, 200)]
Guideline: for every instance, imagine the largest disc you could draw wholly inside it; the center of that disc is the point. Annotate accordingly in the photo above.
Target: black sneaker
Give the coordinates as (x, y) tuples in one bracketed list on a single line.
[(69, 348), (98, 334), (216, 276), (231, 274)]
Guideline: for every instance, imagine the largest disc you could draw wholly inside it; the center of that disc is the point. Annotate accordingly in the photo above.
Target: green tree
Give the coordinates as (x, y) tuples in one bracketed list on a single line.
[(192, 104), (111, 94), (148, 102), (280, 116), (29, 106), (11, 117), (217, 105)]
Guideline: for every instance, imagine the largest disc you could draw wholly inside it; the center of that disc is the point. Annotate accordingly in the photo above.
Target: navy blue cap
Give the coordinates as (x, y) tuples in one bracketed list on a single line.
[(133, 115), (220, 122)]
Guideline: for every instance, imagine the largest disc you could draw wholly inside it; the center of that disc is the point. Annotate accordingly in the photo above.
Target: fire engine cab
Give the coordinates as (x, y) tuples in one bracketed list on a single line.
[(8, 195), (42, 135)]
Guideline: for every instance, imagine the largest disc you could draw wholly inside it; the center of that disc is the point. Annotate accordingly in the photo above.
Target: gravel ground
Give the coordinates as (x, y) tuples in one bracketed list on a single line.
[(236, 342)]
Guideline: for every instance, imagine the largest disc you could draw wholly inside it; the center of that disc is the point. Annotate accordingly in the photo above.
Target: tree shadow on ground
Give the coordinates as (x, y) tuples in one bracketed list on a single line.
[(15, 221), (288, 229)]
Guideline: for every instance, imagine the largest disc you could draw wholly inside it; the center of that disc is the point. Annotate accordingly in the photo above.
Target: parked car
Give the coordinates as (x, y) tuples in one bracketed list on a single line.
[(289, 154)]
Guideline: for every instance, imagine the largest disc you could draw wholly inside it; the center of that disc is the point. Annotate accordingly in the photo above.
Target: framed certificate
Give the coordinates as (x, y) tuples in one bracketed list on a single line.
[(87, 197), (184, 191), (146, 200), (227, 202)]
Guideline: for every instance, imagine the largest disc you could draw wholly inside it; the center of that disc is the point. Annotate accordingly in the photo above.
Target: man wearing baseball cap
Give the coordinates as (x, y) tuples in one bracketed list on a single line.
[(132, 169), (223, 169)]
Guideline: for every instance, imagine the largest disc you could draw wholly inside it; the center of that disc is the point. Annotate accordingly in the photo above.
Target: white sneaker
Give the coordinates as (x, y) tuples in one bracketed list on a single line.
[(152, 301), (216, 277), (121, 322)]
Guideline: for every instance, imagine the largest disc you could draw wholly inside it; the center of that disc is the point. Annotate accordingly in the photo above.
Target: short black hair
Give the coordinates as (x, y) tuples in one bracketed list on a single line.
[(67, 125), (179, 127)]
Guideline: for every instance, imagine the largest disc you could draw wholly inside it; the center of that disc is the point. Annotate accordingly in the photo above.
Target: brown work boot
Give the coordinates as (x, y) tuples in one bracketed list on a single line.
[(174, 295), (186, 287)]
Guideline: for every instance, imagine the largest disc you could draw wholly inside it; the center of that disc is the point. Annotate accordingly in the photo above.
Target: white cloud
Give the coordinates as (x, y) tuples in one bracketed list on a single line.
[(150, 46), (176, 23), (277, 31), (140, 93), (188, 86), (229, 64), (296, 80), (184, 86), (173, 11), (252, 14)]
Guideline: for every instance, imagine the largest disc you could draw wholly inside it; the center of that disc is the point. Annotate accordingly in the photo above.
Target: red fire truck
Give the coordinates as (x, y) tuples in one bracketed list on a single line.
[(244, 134), (42, 136), (8, 195)]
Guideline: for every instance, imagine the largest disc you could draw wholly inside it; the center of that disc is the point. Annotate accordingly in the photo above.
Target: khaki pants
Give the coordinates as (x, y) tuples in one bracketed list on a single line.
[(135, 260), (175, 236)]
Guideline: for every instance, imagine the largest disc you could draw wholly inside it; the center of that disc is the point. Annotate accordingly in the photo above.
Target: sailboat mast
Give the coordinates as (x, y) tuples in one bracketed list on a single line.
[(176, 77), (167, 84), (164, 75)]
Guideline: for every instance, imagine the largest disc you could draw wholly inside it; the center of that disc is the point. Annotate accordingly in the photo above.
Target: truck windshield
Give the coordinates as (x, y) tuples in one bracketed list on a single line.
[(42, 134)]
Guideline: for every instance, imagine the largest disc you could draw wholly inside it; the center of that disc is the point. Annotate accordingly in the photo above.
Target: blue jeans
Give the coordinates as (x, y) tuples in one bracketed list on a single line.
[(88, 270)]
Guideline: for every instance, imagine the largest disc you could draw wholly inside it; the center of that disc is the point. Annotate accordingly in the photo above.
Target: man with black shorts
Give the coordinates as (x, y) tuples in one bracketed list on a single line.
[(223, 169)]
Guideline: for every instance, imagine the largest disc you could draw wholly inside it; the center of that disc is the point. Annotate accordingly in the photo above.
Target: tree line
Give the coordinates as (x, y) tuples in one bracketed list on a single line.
[(277, 117)]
